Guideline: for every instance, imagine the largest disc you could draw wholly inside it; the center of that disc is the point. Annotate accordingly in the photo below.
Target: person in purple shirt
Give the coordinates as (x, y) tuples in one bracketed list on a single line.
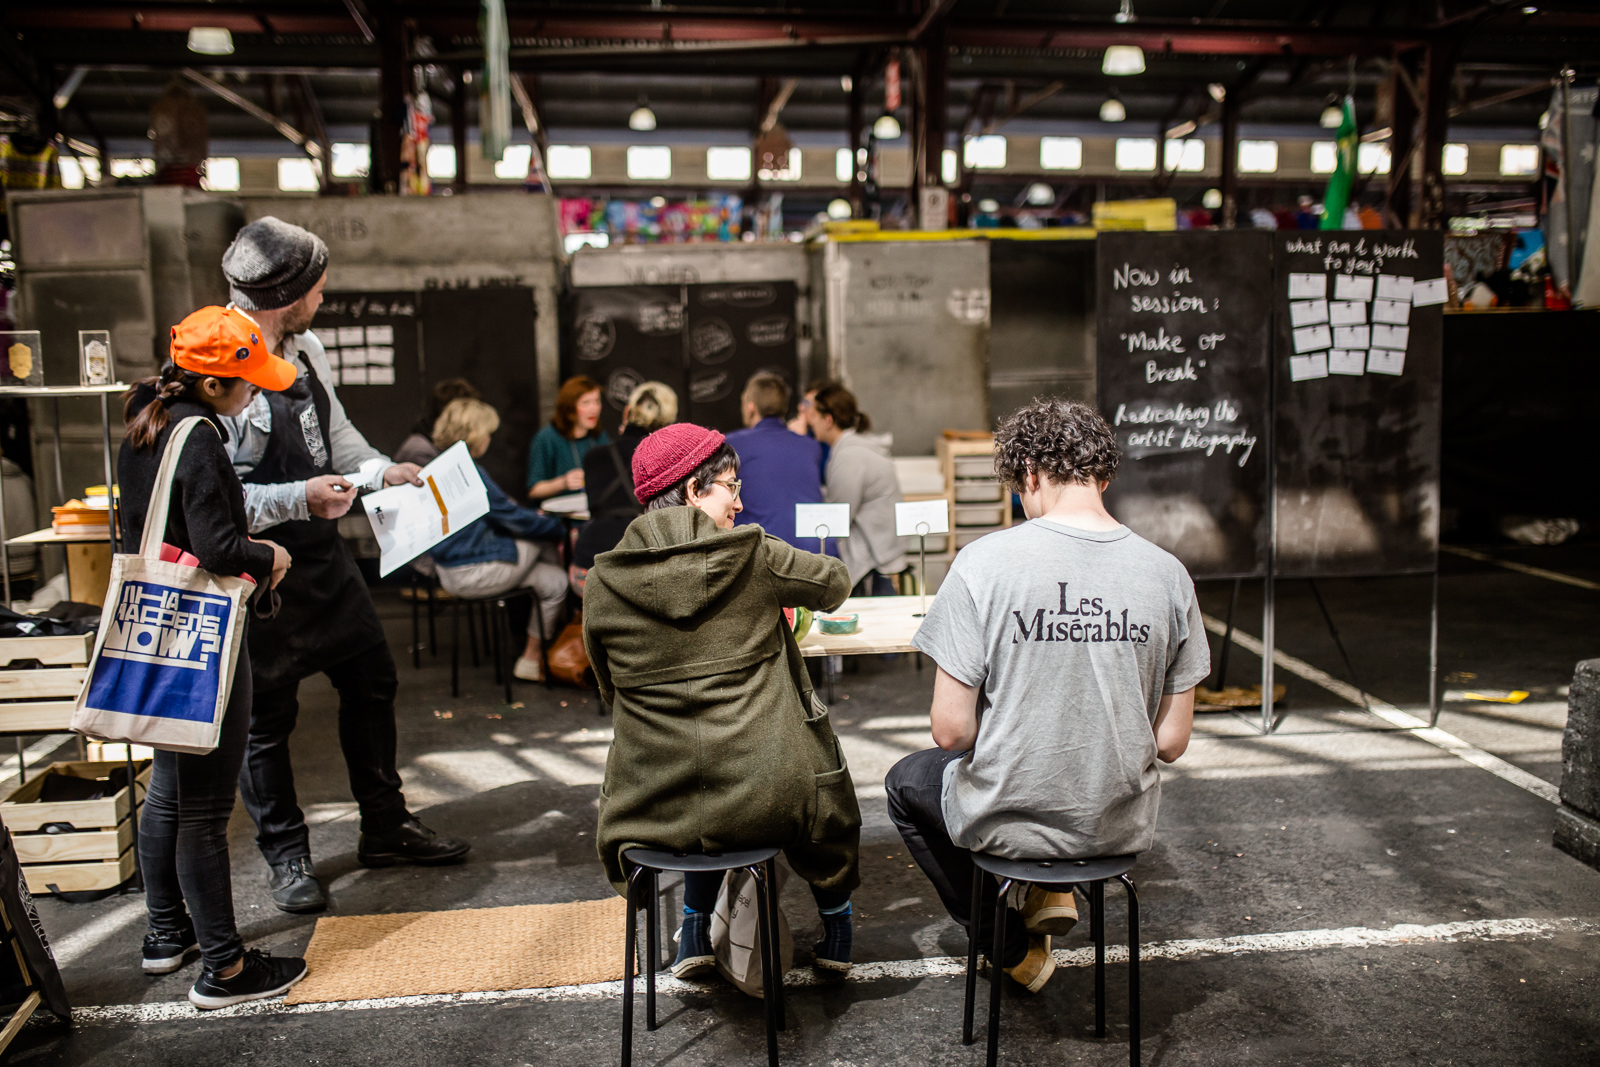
[(778, 467)]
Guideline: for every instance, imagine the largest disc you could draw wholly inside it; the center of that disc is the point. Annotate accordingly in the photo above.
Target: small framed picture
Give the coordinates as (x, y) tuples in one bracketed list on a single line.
[(94, 357), (20, 362)]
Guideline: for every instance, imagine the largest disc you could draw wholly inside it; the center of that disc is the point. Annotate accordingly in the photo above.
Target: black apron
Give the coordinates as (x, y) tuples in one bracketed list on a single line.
[(326, 615)]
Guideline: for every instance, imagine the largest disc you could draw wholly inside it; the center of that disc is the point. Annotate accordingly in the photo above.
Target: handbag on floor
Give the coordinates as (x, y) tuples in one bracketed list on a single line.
[(163, 661), (568, 659), (736, 930)]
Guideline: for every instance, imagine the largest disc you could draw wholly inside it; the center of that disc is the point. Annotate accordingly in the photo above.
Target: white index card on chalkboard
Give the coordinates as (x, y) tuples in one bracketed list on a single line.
[(1307, 286), (1429, 291), (353, 357), (1351, 336), (353, 376), (1341, 361), (1382, 361), (1394, 287), (1346, 312), (921, 517), (1311, 338), (822, 520), (380, 355), (1394, 311), (1302, 368), (1308, 312), (380, 375), (1390, 336), (380, 335), (1349, 287), (351, 335)]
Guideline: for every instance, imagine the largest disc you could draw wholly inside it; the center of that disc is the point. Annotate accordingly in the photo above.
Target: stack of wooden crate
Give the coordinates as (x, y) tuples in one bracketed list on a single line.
[(96, 853), (39, 681), (979, 503)]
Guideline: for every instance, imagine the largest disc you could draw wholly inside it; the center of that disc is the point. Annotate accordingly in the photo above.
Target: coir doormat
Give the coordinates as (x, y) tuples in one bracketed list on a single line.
[(364, 957)]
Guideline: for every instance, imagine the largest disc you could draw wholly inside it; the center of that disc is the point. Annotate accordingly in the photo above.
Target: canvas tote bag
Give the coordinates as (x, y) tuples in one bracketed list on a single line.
[(169, 637), (736, 931)]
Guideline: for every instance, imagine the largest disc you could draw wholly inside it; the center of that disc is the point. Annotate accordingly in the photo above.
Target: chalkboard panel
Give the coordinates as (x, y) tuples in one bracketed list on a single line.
[(622, 335), (373, 352), (1041, 326), (1183, 377), (734, 330), (1357, 372)]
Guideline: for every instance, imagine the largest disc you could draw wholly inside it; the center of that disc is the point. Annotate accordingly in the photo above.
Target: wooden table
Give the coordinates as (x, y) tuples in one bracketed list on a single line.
[(888, 624), (88, 561)]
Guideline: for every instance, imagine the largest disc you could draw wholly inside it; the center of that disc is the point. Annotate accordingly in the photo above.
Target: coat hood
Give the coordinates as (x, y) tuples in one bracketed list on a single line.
[(674, 563)]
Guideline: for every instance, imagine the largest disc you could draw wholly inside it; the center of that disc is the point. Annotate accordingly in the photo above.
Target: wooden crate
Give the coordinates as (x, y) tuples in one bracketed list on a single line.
[(40, 700), (78, 877), (22, 811), (71, 650), (73, 848)]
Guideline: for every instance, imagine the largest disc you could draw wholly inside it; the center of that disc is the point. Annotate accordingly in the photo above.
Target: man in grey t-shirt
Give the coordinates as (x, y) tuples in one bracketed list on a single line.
[(1068, 651)]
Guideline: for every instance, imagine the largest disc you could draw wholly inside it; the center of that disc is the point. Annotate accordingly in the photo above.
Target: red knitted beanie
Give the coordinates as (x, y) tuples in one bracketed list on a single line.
[(670, 455)]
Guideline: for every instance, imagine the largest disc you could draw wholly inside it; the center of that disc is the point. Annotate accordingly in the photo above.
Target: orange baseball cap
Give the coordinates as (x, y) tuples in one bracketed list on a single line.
[(224, 343)]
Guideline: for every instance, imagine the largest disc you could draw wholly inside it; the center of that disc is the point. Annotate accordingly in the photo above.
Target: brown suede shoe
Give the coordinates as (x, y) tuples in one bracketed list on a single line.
[(1049, 913), (1037, 966)]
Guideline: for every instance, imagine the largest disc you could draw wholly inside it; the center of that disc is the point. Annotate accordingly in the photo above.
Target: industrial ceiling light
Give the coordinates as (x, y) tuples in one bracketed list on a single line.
[(1125, 13), (839, 208), (1123, 59), (1039, 194), (1112, 110), (1529, 9), (210, 40), (988, 207), (1211, 199), (1218, 91), (846, 82), (1332, 116), (642, 119), (887, 128)]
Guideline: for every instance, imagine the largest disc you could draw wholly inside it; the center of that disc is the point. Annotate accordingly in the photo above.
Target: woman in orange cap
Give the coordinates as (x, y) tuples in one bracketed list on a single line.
[(219, 364)]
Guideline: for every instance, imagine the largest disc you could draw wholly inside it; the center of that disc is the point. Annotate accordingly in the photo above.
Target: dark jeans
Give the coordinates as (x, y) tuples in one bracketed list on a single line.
[(700, 892), (183, 833), (914, 786), (873, 584), (366, 684)]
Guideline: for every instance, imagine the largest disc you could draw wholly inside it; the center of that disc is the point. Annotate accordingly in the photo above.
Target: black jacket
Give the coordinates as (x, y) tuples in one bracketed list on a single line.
[(207, 513), (611, 502)]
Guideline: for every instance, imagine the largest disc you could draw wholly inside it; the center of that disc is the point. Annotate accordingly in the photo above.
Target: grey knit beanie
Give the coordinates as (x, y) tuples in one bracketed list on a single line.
[(273, 263)]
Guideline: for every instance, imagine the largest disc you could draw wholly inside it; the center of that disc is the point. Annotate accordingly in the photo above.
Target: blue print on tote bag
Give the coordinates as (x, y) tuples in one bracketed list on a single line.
[(162, 655)]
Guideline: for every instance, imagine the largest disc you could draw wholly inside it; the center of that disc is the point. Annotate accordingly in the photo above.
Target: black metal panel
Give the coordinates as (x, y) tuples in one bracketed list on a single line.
[(350, 323)]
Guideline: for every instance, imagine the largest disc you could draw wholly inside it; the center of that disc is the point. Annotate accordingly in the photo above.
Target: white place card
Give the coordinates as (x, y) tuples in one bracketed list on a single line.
[(1351, 337), (380, 375), (1350, 287), (1383, 361), (1395, 311), (1392, 337), (1429, 291), (822, 520), (921, 517), (1307, 286), (1345, 361), (1308, 312), (1346, 312), (380, 335), (353, 376), (1394, 287), (380, 355), (1303, 368), (1311, 338), (350, 335)]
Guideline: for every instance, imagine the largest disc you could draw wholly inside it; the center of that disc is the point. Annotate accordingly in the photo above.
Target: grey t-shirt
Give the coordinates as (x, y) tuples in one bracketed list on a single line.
[(1071, 637)]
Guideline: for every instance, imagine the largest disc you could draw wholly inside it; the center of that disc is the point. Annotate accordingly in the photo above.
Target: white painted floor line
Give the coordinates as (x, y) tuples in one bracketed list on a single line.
[(900, 970), (33, 753), (1520, 568), (1416, 727)]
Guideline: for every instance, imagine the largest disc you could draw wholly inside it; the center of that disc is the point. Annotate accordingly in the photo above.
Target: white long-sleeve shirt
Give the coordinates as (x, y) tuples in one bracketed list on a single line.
[(861, 474), (351, 455)]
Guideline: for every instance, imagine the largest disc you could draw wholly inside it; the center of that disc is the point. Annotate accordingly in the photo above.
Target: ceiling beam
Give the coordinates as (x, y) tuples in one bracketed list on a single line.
[(249, 106)]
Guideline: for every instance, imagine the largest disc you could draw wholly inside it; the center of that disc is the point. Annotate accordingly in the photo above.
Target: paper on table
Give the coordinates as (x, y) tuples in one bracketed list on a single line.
[(1312, 366), (832, 519), (1390, 336), (1395, 311), (1310, 338), (1343, 361), (1429, 291), (380, 335), (1351, 336), (1308, 312), (1349, 287), (566, 504), (408, 520), (1345, 312), (1307, 286), (914, 517), (1394, 287), (1380, 361)]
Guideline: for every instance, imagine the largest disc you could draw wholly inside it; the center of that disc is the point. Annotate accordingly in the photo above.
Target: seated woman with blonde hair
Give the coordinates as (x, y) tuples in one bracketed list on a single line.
[(509, 548)]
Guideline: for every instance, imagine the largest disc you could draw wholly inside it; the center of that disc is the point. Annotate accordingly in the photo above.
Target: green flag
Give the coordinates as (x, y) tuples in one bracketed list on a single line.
[(1337, 196)]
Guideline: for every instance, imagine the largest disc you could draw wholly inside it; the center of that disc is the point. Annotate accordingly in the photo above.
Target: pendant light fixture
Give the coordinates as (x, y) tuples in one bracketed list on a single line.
[(1112, 110), (1123, 59), (887, 128), (210, 40), (642, 119), (1332, 116)]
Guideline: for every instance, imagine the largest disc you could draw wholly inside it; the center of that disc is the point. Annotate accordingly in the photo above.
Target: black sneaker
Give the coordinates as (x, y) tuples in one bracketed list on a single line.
[(694, 946), (410, 842), (295, 888), (164, 950), (832, 953), (260, 977)]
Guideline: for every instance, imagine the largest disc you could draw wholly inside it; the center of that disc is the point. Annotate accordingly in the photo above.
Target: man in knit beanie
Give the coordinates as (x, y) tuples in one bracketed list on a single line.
[(302, 462)]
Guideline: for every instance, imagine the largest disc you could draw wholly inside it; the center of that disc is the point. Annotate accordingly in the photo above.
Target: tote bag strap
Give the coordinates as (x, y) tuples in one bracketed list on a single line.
[(155, 520)]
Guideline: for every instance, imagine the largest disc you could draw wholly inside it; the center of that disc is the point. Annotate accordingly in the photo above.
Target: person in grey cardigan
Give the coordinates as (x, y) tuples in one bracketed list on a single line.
[(861, 474)]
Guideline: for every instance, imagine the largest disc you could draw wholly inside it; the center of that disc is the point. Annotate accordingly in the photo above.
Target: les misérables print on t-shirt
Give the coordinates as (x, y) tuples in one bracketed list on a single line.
[(1079, 620)]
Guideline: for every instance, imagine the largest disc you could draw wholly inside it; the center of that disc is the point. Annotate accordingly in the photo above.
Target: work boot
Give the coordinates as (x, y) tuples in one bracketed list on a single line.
[(1044, 912), (694, 945), (410, 842), (1037, 966), (295, 888)]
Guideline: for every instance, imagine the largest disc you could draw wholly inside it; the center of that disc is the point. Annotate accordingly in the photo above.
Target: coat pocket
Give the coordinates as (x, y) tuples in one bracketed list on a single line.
[(837, 813)]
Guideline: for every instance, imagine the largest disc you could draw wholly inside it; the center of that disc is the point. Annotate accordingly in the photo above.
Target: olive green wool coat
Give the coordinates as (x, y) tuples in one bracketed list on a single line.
[(719, 743)]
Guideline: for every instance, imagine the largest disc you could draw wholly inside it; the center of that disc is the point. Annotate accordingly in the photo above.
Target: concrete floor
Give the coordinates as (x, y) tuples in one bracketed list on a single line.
[(1338, 827)]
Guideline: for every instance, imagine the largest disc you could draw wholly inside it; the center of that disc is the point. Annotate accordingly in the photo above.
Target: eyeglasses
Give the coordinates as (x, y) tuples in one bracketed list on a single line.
[(731, 485)]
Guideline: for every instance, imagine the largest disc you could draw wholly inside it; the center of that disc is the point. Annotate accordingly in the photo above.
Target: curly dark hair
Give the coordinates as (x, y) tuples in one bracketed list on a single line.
[(1059, 439)]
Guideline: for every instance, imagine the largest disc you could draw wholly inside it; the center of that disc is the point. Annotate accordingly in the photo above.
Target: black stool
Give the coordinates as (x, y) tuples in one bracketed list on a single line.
[(497, 635), (647, 865), (1057, 876)]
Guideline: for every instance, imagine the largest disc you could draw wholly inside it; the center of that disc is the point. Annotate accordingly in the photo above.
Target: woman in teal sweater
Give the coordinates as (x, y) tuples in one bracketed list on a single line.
[(555, 459)]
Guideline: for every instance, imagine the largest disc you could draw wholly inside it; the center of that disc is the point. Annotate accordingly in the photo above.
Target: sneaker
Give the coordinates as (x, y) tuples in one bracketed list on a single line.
[(1049, 913), (410, 842), (694, 946), (164, 950), (832, 953), (528, 670), (260, 977), (295, 888), (1037, 966)]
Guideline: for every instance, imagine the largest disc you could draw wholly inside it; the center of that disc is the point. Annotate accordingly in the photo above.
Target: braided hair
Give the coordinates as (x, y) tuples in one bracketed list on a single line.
[(172, 384)]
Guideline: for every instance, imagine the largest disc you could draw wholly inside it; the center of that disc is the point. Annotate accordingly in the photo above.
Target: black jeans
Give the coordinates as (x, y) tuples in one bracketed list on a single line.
[(914, 786), (183, 833), (366, 684), (873, 584), (700, 892)]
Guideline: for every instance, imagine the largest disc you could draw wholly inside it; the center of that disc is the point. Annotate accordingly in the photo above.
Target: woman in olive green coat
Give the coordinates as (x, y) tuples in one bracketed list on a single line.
[(719, 742)]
